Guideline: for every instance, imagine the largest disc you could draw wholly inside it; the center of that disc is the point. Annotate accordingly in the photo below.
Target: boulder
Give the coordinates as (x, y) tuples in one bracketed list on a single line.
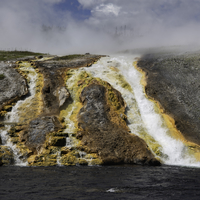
[(104, 131), (62, 94), (12, 85), (35, 135)]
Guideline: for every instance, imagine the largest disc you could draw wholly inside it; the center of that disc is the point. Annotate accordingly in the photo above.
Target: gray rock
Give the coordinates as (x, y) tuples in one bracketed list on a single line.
[(38, 129), (62, 94), (102, 135), (12, 85)]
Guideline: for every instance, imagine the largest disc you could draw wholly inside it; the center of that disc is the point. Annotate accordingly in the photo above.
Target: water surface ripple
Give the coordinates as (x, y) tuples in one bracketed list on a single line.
[(106, 182)]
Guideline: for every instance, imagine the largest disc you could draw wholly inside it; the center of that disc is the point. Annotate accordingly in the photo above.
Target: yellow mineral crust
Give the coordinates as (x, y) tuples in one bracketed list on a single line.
[(155, 147), (168, 120), (32, 106), (116, 109), (74, 79)]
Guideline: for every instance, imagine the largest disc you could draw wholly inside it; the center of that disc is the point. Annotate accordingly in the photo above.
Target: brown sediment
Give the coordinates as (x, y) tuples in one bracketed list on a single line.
[(169, 121)]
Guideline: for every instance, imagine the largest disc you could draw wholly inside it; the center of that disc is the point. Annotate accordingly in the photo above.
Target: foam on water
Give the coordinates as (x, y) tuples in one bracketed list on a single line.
[(140, 110)]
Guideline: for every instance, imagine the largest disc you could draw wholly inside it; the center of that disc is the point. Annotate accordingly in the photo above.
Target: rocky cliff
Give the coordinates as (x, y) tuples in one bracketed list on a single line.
[(55, 113)]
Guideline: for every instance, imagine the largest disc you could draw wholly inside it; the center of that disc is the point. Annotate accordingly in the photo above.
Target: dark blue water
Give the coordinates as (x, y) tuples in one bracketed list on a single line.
[(107, 182)]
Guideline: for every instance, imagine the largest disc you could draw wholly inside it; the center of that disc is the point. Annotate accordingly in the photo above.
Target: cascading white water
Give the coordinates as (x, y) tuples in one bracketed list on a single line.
[(140, 110), (13, 116), (143, 120)]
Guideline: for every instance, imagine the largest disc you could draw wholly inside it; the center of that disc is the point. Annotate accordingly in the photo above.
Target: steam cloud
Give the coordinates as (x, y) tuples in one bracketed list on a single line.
[(110, 26)]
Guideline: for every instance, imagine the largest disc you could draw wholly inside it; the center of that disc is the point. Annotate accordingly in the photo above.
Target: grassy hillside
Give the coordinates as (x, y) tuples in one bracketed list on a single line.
[(9, 55)]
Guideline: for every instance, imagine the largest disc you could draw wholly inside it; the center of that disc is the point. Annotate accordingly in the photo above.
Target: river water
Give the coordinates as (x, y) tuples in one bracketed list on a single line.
[(106, 182)]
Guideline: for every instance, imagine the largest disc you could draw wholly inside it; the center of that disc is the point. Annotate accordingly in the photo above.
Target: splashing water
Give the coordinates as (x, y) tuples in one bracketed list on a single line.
[(143, 120)]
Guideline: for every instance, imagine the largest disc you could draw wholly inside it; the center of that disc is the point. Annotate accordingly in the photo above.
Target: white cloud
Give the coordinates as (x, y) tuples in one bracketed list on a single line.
[(113, 25), (107, 9)]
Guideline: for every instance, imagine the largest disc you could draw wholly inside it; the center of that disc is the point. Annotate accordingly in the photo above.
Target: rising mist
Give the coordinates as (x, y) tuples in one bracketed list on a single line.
[(111, 26)]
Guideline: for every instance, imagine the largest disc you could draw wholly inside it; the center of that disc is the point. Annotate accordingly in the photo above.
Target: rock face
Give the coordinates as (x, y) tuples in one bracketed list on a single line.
[(12, 85), (6, 156), (63, 94), (35, 136), (173, 80), (104, 131)]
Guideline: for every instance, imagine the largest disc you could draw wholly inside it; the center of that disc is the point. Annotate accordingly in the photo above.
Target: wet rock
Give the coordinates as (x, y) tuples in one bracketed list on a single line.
[(12, 85), (39, 134), (64, 150), (82, 161), (42, 160), (57, 141), (6, 155), (54, 94), (103, 130), (71, 158), (35, 135)]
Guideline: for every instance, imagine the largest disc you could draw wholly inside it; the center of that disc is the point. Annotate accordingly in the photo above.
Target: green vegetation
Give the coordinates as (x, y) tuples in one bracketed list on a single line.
[(2, 76), (9, 55), (69, 57)]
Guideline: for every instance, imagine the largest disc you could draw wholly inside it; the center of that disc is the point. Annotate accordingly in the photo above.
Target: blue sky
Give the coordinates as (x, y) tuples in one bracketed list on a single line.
[(74, 7), (97, 25)]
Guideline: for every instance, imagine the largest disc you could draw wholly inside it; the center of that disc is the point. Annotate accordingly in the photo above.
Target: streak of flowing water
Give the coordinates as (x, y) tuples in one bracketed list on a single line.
[(141, 114), (13, 116), (71, 141)]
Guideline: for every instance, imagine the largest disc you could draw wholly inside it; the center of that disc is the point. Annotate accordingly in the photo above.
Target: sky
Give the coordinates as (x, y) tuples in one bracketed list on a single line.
[(97, 26)]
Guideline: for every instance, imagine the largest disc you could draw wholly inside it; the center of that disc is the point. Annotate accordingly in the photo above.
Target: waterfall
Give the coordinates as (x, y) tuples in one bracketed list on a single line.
[(143, 120), (13, 117)]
